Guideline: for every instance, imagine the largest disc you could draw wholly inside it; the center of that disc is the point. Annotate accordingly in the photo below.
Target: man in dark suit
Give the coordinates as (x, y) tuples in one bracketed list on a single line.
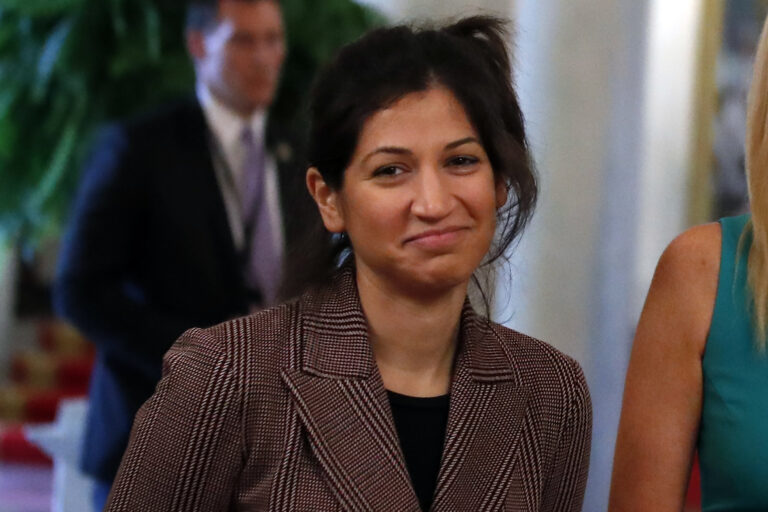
[(183, 219)]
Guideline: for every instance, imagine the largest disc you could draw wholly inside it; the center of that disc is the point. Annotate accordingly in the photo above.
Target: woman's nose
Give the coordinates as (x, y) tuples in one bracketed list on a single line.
[(433, 199)]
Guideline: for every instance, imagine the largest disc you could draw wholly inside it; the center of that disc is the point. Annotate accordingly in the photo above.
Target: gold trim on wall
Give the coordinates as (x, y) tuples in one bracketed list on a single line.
[(701, 199)]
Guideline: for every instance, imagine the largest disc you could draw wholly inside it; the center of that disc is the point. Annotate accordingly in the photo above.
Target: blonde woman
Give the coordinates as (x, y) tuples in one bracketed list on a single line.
[(698, 375)]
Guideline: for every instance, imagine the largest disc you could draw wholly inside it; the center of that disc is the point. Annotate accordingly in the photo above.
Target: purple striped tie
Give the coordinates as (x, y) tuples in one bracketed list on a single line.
[(263, 266)]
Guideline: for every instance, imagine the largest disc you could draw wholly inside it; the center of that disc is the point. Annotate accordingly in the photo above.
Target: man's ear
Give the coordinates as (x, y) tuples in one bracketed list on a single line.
[(328, 201), (502, 192), (195, 43)]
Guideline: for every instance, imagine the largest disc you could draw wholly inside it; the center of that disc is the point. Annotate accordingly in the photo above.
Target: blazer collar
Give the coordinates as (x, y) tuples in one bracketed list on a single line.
[(342, 403), (336, 343)]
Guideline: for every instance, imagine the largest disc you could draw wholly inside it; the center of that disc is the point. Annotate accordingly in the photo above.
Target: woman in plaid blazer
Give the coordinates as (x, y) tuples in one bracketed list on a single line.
[(380, 388)]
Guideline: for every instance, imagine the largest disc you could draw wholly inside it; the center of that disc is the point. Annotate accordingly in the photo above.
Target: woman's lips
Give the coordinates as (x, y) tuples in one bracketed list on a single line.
[(436, 238)]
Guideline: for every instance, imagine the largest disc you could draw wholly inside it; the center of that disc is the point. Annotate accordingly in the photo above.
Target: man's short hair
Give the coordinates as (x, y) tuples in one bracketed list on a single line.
[(202, 14)]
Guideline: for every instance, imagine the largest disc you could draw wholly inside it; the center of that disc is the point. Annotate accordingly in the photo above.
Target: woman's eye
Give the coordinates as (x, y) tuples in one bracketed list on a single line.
[(387, 170), (462, 161)]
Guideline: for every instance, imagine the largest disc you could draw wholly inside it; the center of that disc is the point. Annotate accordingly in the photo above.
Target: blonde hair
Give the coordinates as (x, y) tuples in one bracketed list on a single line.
[(756, 149)]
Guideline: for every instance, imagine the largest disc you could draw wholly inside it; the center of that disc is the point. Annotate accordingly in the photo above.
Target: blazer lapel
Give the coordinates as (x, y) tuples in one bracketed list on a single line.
[(486, 415), (343, 405)]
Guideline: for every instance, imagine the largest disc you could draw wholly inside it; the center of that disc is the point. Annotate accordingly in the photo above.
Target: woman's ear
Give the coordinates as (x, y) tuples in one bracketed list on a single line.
[(327, 199), (502, 192)]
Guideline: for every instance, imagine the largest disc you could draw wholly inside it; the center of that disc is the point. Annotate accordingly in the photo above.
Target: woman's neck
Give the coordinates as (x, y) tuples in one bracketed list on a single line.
[(414, 339)]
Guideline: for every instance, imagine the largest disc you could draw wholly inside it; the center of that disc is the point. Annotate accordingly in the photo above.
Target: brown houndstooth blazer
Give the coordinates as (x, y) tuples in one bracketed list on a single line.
[(284, 410)]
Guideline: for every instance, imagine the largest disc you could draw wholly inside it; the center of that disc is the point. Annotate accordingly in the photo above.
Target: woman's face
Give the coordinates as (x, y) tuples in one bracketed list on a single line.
[(419, 198)]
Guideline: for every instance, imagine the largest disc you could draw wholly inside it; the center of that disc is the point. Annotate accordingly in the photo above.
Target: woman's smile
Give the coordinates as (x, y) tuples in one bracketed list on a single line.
[(438, 240)]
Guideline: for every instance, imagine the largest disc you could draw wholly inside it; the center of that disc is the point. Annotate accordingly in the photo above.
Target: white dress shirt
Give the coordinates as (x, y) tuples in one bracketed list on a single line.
[(227, 127)]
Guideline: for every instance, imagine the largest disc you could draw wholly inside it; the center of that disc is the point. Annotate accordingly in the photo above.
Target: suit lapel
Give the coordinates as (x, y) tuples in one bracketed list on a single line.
[(343, 405), (297, 209), (484, 422), (207, 194)]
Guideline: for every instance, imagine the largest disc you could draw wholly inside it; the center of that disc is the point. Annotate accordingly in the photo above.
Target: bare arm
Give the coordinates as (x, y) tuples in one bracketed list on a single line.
[(663, 391)]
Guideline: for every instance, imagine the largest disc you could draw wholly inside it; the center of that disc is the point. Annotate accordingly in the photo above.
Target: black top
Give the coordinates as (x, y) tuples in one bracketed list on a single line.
[(420, 424)]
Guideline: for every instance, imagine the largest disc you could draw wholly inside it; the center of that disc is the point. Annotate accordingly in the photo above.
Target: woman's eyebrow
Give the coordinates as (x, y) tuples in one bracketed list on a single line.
[(396, 150), (461, 142), (393, 150)]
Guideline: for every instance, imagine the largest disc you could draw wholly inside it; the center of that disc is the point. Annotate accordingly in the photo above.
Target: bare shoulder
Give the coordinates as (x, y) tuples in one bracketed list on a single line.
[(684, 286), (694, 253)]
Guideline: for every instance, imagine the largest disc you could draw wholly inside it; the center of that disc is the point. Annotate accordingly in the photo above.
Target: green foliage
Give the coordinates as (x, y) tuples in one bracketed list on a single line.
[(67, 66), (316, 28)]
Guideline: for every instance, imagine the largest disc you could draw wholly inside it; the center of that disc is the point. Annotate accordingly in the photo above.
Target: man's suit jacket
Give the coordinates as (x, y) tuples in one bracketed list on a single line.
[(285, 410), (150, 254)]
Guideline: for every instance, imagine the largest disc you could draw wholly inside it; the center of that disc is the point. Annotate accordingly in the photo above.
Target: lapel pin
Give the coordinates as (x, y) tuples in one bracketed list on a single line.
[(283, 152)]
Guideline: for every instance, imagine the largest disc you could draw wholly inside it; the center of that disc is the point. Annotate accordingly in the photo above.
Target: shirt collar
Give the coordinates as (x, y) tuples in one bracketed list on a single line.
[(224, 122)]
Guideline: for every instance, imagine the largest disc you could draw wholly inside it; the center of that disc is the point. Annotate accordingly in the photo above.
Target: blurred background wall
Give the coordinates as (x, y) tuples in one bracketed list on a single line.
[(582, 90)]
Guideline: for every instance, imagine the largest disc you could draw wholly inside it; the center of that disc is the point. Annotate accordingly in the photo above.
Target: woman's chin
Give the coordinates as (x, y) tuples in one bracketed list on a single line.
[(420, 279), (436, 281)]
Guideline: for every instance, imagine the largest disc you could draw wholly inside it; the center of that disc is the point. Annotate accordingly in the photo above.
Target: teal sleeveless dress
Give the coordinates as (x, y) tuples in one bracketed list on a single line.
[(733, 435)]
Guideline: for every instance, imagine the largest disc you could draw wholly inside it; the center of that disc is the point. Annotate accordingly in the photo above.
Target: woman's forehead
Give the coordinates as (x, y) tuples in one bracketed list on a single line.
[(417, 118)]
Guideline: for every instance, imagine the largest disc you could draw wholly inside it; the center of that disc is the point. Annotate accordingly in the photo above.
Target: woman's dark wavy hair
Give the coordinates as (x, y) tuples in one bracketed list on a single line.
[(469, 58)]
